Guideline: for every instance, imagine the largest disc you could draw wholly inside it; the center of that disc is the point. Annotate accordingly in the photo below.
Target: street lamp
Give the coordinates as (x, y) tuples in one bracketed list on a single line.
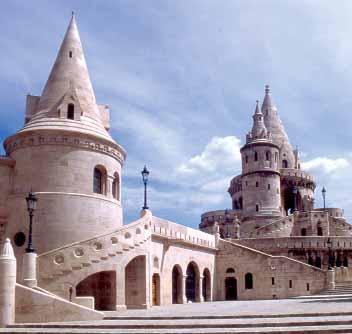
[(145, 174), (323, 192), (227, 222), (329, 243), (31, 206)]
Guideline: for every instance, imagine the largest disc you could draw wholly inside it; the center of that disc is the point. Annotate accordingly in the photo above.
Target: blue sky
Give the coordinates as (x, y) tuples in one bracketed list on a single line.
[(181, 78)]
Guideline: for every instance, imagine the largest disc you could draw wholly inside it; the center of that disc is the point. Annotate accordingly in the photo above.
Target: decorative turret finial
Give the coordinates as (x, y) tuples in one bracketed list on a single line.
[(257, 110), (7, 250), (267, 89), (73, 13)]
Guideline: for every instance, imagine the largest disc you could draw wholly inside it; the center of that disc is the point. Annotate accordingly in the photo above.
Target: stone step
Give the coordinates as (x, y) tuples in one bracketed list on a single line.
[(267, 330), (238, 323)]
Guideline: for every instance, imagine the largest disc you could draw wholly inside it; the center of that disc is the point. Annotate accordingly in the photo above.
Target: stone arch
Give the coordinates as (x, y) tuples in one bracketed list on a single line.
[(303, 231), (102, 287), (206, 285), (155, 289), (192, 282), (136, 282), (99, 180), (177, 278), (284, 163)]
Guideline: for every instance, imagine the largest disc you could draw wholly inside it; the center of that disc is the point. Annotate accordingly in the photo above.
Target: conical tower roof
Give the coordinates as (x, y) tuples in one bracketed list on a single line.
[(68, 84), (272, 120), (275, 127), (70, 71)]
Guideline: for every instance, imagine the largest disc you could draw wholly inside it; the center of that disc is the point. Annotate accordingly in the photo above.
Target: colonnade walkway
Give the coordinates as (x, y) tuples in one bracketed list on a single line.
[(332, 314)]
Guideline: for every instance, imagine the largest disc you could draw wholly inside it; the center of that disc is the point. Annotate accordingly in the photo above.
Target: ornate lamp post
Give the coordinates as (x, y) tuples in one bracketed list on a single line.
[(227, 222), (31, 206), (145, 175), (329, 243), (323, 192)]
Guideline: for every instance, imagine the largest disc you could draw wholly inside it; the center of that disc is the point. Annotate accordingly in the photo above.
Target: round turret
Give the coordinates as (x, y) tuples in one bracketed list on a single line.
[(260, 172)]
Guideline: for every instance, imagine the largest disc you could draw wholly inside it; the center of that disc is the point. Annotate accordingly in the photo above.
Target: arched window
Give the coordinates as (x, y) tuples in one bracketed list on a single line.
[(275, 156), (257, 184), (99, 180), (320, 230), (257, 207), (303, 232), (268, 155), (284, 164), (246, 159), (70, 54), (255, 156), (230, 271), (116, 187), (71, 111), (248, 281)]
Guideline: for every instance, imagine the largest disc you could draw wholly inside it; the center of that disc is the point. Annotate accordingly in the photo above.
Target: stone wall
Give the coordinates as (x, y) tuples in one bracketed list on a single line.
[(37, 306), (271, 274)]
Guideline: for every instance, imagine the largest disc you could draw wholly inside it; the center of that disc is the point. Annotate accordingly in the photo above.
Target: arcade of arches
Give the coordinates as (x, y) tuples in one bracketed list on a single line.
[(103, 286)]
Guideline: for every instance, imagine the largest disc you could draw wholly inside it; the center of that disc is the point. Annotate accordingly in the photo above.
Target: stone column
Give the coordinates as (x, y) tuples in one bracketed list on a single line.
[(183, 290), (120, 289), (331, 279), (199, 297), (7, 284), (29, 270)]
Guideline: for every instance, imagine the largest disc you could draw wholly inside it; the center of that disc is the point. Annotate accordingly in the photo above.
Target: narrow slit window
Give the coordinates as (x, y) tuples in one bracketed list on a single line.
[(71, 111), (70, 54)]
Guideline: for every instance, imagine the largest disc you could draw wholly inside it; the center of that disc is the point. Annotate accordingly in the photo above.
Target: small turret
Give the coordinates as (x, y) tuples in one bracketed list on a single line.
[(259, 130)]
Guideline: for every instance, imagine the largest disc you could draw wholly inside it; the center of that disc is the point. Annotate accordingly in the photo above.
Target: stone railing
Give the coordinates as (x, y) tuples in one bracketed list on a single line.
[(178, 232), (85, 253), (278, 228), (296, 173), (309, 242)]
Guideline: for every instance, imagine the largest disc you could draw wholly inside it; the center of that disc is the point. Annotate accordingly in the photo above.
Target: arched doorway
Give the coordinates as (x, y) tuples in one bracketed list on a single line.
[(206, 285), (192, 282), (135, 282), (156, 290), (101, 286), (230, 288), (176, 285)]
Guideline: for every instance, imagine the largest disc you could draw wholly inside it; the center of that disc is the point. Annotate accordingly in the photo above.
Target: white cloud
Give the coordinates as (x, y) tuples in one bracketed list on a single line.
[(325, 165), (221, 153)]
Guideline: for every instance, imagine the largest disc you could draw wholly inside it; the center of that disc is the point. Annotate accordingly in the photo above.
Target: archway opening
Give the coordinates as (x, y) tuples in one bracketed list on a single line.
[(101, 286), (70, 111), (192, 282), (230, 288), (155, 289), (176, 285), (206, 285), (135, 283)]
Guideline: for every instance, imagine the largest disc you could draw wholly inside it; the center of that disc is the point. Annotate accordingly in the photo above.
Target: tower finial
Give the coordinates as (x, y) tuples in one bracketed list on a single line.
[(267, 89), (73, 13)]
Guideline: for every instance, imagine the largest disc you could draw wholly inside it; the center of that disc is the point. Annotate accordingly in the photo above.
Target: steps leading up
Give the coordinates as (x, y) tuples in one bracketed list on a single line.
[(343, 288), (303, 323)]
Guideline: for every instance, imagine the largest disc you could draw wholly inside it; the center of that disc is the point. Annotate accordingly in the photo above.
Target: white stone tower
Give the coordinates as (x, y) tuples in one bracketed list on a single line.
[(65, 154), (260, 173)]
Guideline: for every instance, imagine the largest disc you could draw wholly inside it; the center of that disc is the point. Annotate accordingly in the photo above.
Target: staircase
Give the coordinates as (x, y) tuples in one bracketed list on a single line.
[(343, 288), (274, 324)]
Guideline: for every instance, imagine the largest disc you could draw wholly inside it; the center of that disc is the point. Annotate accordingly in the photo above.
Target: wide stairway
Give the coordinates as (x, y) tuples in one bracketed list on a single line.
[(295, 323)]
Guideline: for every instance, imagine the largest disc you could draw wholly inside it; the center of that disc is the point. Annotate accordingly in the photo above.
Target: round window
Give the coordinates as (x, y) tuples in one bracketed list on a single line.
[(19, 239)]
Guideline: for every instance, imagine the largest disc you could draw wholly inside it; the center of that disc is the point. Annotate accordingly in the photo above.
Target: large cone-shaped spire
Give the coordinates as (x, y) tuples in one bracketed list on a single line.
[(274, 126), (69, 75)]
